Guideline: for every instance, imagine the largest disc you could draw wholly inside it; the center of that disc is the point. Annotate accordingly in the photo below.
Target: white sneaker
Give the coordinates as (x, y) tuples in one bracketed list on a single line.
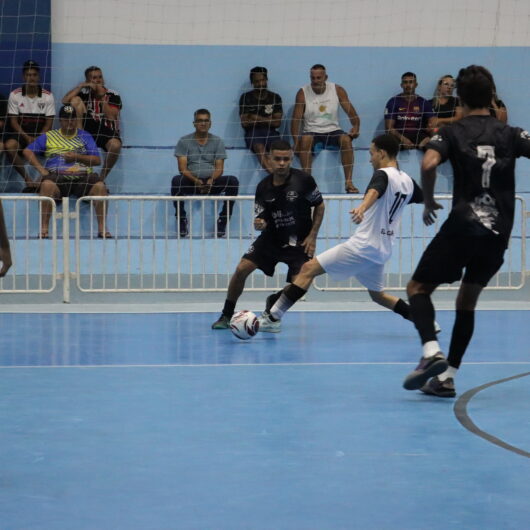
[(437, 327), (268, 326)]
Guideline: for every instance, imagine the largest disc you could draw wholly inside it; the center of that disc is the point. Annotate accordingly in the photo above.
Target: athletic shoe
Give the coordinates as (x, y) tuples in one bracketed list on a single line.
[(182, 224), (435, 387), (221, 226), (437, 327), (426, 369), (223, 322), (267, 325)]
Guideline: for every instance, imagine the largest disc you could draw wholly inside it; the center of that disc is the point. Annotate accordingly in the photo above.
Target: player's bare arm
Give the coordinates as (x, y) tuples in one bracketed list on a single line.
[(349, 109), (357, 214), (184, 171), (310, 242), (430, 162)]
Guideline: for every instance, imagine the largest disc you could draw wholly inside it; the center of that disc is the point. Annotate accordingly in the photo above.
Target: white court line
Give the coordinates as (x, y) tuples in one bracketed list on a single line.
[(262, 365)]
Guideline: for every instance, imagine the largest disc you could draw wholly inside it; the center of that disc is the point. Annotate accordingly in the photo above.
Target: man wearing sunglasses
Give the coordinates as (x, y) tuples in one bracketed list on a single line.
[(288, 212)]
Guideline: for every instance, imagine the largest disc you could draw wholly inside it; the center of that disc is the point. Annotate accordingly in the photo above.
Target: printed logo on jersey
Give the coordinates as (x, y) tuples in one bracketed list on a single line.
[(291, 196), (41, 106), (436, 138), (250, 249), (268, 109), (314, 196), (525, 135), (258, 209)]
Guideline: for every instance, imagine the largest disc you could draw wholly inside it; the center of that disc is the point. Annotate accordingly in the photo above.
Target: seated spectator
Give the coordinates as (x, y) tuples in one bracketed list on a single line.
[(445, 106), (98, 110), (201, 157), (316, 121), (260, 111), (71, 154), (409, 117), (30, 112), (498, 108)]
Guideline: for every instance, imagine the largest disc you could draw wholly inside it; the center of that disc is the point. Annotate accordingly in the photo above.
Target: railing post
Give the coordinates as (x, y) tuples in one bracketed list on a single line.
[(66, 250)]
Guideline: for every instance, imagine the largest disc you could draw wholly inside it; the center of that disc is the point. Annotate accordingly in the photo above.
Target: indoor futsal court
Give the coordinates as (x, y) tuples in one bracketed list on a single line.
[(154, 421)]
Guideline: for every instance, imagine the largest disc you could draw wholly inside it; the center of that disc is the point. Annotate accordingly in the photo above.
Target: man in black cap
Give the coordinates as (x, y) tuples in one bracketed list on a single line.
[(71, 155), (30, 112)]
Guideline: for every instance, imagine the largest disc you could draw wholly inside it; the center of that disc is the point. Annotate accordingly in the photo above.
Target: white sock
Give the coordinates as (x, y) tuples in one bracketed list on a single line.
[(449, 373), (430, 349)]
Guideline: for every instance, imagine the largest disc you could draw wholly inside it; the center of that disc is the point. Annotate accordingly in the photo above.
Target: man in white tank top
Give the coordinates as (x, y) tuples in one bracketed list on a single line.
[(316, 121), (364, 255)]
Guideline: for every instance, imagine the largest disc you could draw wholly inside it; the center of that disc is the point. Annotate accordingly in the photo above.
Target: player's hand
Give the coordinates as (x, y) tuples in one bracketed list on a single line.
[(429, 215), (309, 245), (260, 224), (357, 215), (70, 157), (407, 144), (354, 133), (5, 258)]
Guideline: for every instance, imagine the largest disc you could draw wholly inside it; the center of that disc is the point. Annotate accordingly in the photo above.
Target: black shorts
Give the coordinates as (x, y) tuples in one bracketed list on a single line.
[(100, 132), (446, 258), (266, 254), (79, 187), (22, 142), (261, 135)]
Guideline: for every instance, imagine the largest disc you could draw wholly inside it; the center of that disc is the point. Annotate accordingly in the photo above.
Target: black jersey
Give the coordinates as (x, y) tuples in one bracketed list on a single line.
[(482, 151), (287, 208), (265, 107)]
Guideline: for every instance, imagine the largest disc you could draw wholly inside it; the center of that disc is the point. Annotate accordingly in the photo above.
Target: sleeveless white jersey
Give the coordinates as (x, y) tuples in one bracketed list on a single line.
[(321, 110), (375, 236)]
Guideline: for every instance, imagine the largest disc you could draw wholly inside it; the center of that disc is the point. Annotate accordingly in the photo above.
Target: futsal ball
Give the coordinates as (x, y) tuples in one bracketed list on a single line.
[(244, 324)]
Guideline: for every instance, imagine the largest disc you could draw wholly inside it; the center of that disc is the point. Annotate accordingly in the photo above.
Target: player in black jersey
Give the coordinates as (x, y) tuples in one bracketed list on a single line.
[(471, 243), (288, 212)]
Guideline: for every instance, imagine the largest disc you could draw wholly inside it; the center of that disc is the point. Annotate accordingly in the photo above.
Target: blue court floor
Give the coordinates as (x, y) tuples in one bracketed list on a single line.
[(154, 421)]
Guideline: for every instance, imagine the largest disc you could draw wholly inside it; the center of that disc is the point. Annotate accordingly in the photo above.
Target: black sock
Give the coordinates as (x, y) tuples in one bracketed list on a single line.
[(462, 333), (229, 308), (422, 313), (402, 308)]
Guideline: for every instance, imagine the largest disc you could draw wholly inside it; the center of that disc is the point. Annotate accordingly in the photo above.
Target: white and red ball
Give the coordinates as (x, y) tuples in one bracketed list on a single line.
[(244, 324)]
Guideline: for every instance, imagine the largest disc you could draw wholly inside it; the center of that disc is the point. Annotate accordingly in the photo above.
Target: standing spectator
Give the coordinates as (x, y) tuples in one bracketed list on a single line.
[(409, 117), (498, 108), (30, 111), (445, 106), (289, 211), (71, 154), (98, 110), (260, 111), (316, 121), (201, 157)]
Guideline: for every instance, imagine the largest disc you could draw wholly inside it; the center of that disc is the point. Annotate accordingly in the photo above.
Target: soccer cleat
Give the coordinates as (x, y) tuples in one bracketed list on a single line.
[(437, 327), (267, 325), (221, 226), (223, 322), (435, 387), (426, 369)]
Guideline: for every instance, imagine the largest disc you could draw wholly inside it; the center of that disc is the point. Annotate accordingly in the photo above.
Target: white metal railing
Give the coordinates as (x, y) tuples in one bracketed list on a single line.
[(146, 252)]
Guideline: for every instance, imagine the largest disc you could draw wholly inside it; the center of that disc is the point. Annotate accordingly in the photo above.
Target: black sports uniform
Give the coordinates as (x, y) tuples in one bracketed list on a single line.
[(265, 107), (482, 151), (287, 211)]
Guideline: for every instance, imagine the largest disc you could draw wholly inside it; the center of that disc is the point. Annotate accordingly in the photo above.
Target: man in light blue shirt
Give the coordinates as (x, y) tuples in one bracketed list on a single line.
[(201, 157)]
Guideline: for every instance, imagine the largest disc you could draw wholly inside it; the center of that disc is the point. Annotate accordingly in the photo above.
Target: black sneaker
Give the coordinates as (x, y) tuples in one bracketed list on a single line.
[(182, 226), (435, 387), (221, 227), (223, 322), (426, 369)]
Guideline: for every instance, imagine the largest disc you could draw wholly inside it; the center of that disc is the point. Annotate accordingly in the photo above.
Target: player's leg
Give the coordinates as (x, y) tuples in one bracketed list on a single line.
[(48, 188), (181, 187), (235, 289), (305, 152), (113, 148), (346, 156), (13, 151), (260, 150), (227, 185), (100, 207), (391, 302), (80, 110)]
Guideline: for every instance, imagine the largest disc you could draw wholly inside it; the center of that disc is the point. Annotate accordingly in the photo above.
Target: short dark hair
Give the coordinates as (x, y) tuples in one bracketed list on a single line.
[(258, 70), (30, 65), (201, 111), (280, 145), (91, 69), (408, 74), (475, 86), (318, 67), (388, 143)]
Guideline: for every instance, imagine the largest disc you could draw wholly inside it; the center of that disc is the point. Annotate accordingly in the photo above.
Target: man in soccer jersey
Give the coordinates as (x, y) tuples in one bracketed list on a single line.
[(409, 117), (288, 212), (98, 112), (30, 112), (364, 255), (260, 111), (71, 155), (471, 243), (316, 121)]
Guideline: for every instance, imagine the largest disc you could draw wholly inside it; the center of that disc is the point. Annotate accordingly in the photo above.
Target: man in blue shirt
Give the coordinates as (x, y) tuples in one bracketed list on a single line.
[(201, 157), (70, 155), (409, 117)]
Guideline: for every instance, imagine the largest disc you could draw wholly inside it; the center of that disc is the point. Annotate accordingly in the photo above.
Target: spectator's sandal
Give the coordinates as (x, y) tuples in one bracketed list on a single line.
[(104, 235), (350, 188), (44, 234)]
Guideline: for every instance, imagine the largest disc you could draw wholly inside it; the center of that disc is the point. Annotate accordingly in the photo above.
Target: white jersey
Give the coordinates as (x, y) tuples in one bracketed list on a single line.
[(32, 111), (375, 236), (321, 110)]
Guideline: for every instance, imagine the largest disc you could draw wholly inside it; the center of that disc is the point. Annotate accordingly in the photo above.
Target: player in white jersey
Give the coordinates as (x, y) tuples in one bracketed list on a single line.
[(364, 255)]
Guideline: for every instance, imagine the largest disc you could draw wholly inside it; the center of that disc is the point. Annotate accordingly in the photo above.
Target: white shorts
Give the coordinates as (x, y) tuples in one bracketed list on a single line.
[(341, 262)]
